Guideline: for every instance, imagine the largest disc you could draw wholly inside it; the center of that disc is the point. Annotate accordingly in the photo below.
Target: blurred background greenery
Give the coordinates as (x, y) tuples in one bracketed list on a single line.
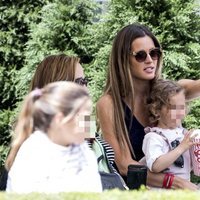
[(31, 30)]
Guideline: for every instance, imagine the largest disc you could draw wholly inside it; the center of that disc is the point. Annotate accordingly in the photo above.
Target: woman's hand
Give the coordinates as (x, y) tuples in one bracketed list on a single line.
[(180, 183), (156, 180)]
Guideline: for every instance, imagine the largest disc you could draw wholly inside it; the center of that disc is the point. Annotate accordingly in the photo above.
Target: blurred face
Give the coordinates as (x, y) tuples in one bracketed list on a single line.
[(172, 116), (64, 132), (146, 69), (82, 120), (75, 130)]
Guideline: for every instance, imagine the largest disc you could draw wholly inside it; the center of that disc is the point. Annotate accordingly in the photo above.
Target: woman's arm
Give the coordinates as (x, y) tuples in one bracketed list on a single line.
[(123, 157), (105, 119), (156, 180), (192, 88)]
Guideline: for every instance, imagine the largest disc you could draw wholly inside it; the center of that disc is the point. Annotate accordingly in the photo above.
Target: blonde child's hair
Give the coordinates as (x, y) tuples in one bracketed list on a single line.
[(39, 108)]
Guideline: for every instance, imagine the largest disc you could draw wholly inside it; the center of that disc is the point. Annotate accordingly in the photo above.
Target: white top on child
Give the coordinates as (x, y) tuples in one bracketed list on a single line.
[(155, 145), (43, 166)]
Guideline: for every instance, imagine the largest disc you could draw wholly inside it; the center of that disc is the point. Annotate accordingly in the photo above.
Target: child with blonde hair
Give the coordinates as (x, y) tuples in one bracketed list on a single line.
[(48, 152)]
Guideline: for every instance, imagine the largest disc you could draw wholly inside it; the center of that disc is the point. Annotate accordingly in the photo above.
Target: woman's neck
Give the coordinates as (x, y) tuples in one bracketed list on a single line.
[(141, 90), (137, 101), (141, 87)]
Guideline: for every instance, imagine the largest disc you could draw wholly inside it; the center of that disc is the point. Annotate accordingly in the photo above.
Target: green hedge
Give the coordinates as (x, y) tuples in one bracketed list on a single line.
[(110, 195)]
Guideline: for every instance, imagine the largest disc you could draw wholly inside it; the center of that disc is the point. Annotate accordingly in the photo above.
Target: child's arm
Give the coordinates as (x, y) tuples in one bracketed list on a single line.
[(165, 160), (153, 147)]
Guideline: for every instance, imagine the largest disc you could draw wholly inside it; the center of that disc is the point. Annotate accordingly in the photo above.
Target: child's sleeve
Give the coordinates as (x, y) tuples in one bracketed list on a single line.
[(153, 147)]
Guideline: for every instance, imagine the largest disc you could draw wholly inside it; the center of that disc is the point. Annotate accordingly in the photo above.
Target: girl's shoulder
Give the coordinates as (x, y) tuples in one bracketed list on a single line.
[(154, 133), (34, 144)]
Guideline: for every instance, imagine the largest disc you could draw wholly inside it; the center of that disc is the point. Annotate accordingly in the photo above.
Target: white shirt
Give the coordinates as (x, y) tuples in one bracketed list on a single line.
[(155, 145), (43, 166)]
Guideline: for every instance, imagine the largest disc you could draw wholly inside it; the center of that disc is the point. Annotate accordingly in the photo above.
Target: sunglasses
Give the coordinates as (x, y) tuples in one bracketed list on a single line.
[(179, 162), (141, 56), (81, 81)]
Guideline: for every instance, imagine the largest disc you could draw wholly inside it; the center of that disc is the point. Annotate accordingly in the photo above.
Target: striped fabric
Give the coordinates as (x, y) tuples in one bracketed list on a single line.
[(109, 152), (108, 149)]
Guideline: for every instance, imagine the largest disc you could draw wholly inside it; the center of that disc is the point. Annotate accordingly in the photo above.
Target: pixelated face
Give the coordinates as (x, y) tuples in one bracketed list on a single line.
[(172, 115), (85, 121), (76, 129), (87, 125)]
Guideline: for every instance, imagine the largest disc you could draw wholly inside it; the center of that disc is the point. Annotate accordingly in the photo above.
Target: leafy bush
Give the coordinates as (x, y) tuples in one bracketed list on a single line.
[(192, 119), (3, 152)]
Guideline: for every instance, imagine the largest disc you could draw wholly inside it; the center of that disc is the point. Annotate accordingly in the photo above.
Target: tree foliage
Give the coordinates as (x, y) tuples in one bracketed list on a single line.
[(63, 28), (31, 30), (176, 23), (172, 21), (15, 17)]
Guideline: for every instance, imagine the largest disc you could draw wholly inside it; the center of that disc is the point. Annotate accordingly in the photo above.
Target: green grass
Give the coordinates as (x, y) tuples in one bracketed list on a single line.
[(109, 195)]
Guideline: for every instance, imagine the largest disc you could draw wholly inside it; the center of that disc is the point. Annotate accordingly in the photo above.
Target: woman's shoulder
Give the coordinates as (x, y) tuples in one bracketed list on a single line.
[(105, 100), (104, 106)]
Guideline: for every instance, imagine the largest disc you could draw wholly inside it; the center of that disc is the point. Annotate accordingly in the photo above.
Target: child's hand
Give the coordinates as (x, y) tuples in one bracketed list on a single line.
[(187, 141)]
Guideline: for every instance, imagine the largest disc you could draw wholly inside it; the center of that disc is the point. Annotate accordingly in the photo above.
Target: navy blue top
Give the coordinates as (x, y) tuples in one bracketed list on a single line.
[(136, 132), (136, 135)]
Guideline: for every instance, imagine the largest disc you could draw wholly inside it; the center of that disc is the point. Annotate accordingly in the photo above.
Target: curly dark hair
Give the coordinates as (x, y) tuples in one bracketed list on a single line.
[(159, 96)]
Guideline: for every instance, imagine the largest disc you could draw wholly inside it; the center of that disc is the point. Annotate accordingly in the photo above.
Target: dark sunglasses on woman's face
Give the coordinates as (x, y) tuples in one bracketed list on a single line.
[(81, 81), (141, 56)]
